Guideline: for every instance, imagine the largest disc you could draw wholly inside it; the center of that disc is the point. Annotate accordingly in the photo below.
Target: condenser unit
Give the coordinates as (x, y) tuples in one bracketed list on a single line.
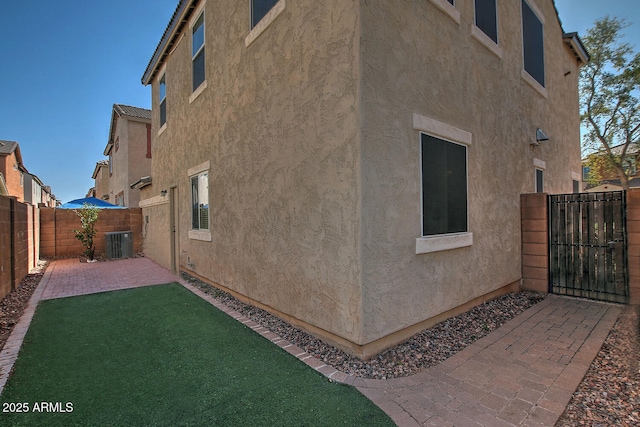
[(118, 244)]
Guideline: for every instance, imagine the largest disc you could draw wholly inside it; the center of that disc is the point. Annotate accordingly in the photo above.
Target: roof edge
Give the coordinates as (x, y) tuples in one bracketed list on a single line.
[(577, 47), (174, 28)]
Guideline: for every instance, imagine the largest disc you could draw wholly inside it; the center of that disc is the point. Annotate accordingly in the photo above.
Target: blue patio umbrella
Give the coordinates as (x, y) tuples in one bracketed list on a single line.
[(78, 203)]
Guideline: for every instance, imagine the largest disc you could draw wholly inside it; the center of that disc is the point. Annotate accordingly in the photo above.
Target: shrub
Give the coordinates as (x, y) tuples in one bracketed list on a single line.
[(88, 217)]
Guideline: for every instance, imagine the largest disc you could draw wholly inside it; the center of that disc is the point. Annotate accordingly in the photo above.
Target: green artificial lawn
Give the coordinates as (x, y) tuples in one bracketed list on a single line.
[(160, 355)]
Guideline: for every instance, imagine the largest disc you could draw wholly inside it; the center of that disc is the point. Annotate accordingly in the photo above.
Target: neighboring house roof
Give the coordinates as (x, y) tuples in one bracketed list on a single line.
[(575, 45), (99, 165), (120, 110), (12, 147), (141, 183)]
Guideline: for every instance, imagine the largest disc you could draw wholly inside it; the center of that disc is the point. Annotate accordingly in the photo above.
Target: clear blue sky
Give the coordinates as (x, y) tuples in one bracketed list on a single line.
[(64, 63)]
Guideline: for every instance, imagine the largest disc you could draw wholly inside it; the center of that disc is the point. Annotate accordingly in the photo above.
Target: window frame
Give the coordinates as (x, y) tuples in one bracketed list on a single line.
[(162, 99), (528, 72), (264, 22), (451, 134), (495, 19), (203, 234), (200, 51), (539, 180)]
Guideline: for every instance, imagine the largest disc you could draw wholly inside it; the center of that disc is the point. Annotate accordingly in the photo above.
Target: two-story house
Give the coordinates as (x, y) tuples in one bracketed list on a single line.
[(354, 166), (12, 170), (129, 155), (101, 178)]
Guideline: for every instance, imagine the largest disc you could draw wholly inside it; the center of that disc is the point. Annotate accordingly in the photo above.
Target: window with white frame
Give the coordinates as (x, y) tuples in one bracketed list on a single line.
[(162, 89), (486, 18), (198, 52), (444, 186), (259, 8), (533, 43), (200, 201)]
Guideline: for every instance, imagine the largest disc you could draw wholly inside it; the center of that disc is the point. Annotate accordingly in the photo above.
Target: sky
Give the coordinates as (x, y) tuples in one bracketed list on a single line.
[(64, 63)]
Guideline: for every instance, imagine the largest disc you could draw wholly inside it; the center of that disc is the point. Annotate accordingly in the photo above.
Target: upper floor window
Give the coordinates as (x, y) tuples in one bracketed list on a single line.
[(533, 43), (197, 52), (259, 8), (163, 100), (444, 186), (486, 18), (451, 1), (586, 171)]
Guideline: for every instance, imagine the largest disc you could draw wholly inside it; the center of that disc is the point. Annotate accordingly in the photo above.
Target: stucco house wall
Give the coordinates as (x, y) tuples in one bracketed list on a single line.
[(312, 151), (101, 180), (418, 62)]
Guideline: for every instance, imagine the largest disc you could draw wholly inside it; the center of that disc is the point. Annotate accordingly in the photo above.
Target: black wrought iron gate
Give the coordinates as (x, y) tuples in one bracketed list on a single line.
[(588, 246)]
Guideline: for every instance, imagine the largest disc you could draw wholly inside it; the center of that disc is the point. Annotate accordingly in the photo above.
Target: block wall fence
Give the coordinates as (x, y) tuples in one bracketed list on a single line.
[(535, 242), (19, 242), (57, 238)]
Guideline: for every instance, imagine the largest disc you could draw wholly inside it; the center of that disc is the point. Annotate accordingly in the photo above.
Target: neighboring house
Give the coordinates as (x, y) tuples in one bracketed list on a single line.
[(12, 170), (609, 180), (129, 152), (356, 167), (48, 198), (32, 189), (101, 177)]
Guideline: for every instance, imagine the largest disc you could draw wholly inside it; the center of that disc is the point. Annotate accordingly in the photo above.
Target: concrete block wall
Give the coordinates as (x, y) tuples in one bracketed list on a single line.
[(535, 241), (19, 250), (633, 244), (58, 239)]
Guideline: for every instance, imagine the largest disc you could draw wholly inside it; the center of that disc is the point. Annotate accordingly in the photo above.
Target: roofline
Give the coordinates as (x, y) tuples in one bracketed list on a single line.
[(576, 45), (117, 109), (180, 17), (99, 165)]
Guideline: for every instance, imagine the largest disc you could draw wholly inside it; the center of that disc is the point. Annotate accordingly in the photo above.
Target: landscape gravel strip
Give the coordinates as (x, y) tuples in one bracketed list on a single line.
[(421, 351)]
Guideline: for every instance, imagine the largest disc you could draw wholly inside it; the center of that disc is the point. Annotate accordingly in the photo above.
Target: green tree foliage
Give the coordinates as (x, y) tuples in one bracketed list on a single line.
[(88, 217), (609, 85)]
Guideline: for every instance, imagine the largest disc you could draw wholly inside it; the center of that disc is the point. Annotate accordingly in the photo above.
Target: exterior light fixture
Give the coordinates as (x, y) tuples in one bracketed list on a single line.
[(163, 193)]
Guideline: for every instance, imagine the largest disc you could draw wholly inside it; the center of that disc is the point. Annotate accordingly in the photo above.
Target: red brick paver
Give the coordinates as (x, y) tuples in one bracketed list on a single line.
[(522, 374)]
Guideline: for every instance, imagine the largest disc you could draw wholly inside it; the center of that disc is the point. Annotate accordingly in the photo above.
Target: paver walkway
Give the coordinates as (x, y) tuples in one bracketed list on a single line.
[(522, 374)]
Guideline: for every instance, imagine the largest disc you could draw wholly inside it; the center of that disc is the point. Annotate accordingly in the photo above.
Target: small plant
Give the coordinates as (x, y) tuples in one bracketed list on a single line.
[(88, 217)]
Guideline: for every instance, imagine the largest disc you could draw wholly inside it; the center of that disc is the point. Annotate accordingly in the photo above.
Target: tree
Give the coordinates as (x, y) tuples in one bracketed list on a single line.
[(88, 217), (610, 110)]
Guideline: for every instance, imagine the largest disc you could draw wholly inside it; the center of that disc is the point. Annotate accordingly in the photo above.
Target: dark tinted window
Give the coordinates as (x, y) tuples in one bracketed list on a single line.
[(533, 43), (486, 18), (198, 52), (163, 101), (444, 186), (539, 181), (259, 8)]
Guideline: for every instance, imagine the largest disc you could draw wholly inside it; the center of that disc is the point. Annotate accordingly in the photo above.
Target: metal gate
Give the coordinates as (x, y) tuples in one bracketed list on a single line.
[(588, 246)]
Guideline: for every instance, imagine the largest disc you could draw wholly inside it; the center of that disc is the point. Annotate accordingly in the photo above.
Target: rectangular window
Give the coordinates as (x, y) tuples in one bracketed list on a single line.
[(586, 170), (162, 87), (444, 186), (259, 8), (200, 201), (197, 53), (533, 43), (110, 164), (486, 18), (450, 1), (539, 181)]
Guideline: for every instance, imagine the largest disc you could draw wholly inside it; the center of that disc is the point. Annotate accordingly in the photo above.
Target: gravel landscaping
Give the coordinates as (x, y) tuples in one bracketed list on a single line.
[(608, 395)]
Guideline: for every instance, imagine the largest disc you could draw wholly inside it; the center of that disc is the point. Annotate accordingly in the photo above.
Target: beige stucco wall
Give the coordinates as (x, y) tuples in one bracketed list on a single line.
[(417, 60), (155, 226), (278, 124), (130, 161), (314, 162)]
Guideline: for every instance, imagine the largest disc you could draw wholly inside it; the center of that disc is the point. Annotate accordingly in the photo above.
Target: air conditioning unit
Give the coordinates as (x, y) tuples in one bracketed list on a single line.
[(118, 244)]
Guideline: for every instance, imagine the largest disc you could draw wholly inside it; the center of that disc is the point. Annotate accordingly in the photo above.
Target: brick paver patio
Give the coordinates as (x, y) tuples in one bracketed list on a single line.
[(522, 374)]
